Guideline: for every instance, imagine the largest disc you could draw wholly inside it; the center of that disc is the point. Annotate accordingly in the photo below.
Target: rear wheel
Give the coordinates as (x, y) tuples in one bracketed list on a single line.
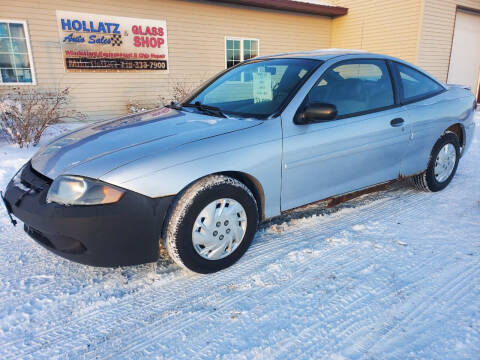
[(211, 224), (442, 165)]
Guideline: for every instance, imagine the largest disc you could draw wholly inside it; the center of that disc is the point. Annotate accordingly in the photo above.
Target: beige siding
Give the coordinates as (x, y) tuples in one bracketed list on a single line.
[(196, 33), (437, 34), (383, 26)]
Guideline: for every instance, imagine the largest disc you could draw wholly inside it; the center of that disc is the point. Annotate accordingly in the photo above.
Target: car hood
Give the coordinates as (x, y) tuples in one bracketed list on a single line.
[(97, 149)]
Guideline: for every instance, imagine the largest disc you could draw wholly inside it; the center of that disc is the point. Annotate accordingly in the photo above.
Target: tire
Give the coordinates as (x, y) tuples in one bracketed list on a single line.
[(428, 181), (228, 196)]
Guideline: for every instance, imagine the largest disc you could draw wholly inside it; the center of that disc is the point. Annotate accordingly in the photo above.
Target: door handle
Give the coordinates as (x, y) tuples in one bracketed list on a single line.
[(397, 122)]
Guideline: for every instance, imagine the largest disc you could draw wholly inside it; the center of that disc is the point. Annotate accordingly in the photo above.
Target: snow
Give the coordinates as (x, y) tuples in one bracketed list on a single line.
[(393, 274), (316, 2)]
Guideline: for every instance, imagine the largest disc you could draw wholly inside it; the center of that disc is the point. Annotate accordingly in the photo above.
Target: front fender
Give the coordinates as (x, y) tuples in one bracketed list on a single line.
[(255, 151)]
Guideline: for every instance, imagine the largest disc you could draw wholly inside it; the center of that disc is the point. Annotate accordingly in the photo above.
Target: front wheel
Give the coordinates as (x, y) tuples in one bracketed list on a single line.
[(442, 165), (211, 224)]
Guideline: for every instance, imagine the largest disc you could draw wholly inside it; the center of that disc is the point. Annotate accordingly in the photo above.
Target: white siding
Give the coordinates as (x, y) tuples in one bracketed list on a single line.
[(382, 26), (437, 33), (196, 35)]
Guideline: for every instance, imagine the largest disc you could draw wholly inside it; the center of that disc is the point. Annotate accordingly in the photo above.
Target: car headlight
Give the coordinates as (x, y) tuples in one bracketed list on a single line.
[(76, 190)]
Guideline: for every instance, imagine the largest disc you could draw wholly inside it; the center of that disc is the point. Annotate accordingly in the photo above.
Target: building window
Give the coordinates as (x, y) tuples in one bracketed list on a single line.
[(238, 50), (15, 54)]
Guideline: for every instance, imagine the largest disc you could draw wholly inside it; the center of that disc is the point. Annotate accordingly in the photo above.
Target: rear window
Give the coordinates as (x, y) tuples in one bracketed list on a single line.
[(416, 85)]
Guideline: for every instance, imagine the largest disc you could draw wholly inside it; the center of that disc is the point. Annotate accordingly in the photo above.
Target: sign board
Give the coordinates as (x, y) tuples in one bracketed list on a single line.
[(112, 43), (262, 86)]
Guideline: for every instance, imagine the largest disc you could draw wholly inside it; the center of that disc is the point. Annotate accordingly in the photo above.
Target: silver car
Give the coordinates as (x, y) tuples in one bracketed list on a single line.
[(266, 136)]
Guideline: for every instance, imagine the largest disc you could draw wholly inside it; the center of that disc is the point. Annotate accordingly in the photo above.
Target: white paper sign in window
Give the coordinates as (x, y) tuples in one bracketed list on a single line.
[(262, 86)]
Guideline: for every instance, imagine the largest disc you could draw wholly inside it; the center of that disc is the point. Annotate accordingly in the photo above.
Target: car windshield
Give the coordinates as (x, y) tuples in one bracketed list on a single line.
[(259, 88)]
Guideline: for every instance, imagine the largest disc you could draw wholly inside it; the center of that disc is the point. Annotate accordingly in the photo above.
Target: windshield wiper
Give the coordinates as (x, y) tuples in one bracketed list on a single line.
[(207, 109), (174, 105)]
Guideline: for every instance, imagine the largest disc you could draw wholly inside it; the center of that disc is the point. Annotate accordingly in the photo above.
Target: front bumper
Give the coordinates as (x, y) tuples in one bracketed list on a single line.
[(123, 233)]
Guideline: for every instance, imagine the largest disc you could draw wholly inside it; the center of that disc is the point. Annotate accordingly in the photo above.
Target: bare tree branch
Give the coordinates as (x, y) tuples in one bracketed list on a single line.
[(26, 113)]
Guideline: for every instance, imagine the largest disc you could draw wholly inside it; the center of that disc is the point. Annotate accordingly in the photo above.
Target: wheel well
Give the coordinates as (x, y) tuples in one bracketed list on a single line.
[(254, 186), (458, 130)]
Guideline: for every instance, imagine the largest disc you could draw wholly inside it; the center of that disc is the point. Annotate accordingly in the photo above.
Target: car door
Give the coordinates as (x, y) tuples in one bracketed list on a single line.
[(362, 146), (430, 110)]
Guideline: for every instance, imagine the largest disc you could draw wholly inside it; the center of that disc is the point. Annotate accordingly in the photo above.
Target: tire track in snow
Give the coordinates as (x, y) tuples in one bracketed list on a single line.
[(363, 331), (192, 322), (353, 218), (134, 319), (255, 248), (181, 324), (259, 250), (310, 332), (352, 326), (141, 342), (392, 323), (463, 297), (453, 289), (335, 305)]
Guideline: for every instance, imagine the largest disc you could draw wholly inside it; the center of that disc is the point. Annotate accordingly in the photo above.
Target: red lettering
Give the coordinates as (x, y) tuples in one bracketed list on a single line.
[(146, 41), (140, 30), (136, 41), (153, 31)]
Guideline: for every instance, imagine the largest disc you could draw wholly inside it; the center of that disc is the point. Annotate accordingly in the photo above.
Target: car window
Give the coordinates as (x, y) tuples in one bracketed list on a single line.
[(415, 84), (354, 87), (258, 88)]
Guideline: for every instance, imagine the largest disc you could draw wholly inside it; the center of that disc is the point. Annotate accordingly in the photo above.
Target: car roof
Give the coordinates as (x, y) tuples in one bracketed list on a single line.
[(327, 54), (319, 54)]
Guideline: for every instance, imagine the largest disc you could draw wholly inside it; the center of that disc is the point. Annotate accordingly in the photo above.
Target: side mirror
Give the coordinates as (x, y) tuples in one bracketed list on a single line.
[(316, 112)]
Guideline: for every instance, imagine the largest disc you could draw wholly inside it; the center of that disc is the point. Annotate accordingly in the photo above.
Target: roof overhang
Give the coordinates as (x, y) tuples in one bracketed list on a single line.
[(291, 5)]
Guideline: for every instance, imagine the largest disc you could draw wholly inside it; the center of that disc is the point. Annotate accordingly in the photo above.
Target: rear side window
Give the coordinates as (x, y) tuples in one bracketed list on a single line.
[(416, 85), (355, 86)]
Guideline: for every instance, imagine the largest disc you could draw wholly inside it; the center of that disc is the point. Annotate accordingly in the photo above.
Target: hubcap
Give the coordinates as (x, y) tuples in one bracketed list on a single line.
[(219, 229), (445, 162)]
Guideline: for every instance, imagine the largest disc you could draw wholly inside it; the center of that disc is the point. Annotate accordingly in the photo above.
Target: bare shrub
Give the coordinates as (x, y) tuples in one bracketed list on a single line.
[(26, 113), (135, 105), (179, 90)]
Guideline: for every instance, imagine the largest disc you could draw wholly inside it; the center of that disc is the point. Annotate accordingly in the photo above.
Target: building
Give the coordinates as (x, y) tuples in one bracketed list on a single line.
[(112, 52)]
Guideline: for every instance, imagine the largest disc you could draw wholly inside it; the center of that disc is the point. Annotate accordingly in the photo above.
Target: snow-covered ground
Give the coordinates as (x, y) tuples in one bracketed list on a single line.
[(391, 275)]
